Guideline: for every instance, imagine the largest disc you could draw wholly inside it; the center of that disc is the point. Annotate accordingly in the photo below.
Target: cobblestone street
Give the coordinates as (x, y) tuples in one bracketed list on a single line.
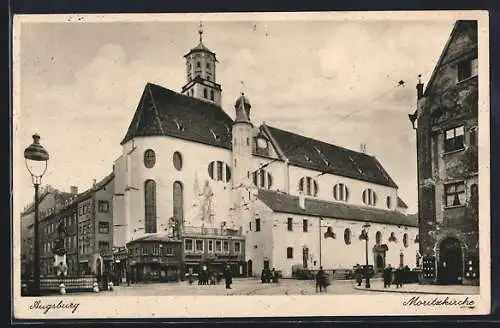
[(247, 286)]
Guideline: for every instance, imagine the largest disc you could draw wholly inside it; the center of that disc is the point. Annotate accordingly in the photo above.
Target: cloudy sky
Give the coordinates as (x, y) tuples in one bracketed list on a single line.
[(80, 84)]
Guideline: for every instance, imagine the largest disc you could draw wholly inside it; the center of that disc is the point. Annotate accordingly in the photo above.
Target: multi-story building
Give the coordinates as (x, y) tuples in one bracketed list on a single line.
[(186, 163), (49, 199), (447, 149), (95, 223)]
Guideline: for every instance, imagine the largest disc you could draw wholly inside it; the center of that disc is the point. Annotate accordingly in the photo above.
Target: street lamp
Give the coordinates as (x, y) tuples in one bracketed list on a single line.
[(364, 235), (36, 158)]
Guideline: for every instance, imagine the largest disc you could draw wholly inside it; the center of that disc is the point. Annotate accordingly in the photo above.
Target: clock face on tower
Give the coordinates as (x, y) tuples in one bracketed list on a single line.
[(261, 143)]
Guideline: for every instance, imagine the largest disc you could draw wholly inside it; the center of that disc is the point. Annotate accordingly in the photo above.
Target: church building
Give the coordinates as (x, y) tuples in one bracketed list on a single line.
[(277, 199)]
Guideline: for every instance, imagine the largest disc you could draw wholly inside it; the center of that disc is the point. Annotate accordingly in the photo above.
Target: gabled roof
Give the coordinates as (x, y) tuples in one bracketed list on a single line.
[(457, 27), (321, 156), (401, 203), (286, 203), (163, 112), (98, 186)]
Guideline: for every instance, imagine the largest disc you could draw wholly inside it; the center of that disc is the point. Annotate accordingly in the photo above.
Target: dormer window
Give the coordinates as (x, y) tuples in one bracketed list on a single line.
[(179, 125), (466, 69), (317, 150), (307, 158), (216, 137)]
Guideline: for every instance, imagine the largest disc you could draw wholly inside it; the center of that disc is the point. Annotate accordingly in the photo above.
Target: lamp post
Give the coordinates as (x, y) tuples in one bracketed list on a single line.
[(36, 158), (367, 273)]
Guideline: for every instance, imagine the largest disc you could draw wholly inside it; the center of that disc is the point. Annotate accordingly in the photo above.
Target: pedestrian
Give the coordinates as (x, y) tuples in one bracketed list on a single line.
[(358, 274), (228, 277), (387, 275), (400, 273), (320, 276)]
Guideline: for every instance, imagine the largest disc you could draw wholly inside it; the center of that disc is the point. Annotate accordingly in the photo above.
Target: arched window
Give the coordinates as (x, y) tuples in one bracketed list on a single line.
[(369, 197), (389, 202), (216, 170), (308, 186), (149, 158), (378, 237), (405, 240), (177, 159), (340, 192), (347, 236), (178, 205), (150, 206), (262, 179), (198, 64)]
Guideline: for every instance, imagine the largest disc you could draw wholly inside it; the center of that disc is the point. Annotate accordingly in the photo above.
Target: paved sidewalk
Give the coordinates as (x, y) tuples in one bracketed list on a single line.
[(423, 289)]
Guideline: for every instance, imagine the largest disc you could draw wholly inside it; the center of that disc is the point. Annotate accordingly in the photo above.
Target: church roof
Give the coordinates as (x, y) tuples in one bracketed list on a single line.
[(401, 203), (163, 112), (286, 203), (200, 48), (321, 156)]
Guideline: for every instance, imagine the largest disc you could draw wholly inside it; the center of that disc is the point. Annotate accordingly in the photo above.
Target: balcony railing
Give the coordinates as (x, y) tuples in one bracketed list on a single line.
[(189, 230)]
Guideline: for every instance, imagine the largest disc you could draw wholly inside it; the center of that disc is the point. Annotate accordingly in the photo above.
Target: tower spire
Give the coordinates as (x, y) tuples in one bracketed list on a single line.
[(200, 31)]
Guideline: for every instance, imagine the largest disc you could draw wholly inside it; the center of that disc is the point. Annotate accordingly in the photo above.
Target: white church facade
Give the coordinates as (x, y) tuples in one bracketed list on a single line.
[(298, 202)]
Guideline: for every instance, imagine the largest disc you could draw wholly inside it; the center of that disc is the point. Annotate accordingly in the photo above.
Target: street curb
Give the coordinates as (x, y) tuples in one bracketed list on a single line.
[(407, 291)]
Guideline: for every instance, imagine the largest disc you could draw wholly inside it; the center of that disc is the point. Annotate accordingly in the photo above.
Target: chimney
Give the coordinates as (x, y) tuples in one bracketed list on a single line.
[(362, 148), (420, 87), (302, 200), (73, 190)]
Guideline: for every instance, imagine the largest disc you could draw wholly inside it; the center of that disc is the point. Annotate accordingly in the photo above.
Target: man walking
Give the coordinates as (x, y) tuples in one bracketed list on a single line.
[(228, 277), (320, 277), (387, 276), (358, 274)]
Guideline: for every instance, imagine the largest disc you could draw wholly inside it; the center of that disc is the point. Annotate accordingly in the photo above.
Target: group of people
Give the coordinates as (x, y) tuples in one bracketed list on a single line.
[(391, 276), (321, 280), (269, 275), (208, 277)]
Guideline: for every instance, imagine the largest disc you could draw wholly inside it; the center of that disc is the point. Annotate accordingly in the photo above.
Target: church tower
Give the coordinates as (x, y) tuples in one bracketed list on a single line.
[(200, 73), (242, 143)]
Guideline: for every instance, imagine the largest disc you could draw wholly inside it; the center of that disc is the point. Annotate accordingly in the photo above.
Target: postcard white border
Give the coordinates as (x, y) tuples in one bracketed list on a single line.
[(262, 306)]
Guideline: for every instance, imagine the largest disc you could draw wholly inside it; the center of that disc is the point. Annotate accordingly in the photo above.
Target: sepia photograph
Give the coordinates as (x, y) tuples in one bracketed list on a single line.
[(243, 165)]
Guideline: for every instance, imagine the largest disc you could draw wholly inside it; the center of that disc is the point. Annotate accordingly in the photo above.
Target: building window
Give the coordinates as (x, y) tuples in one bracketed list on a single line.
[(198, 64), (378, 237), (289, 224), (218, 246), (237, 247), (212, 96), (304, 225), (226, 246), (104, 246), (103, 206), (308, 186), (257, 224), (454, 139), (144, 251), (210, 246), (289, 252), (205, 94), (262, 179), (178, 206), (455, 194), (347, 236), (150, 206), (177, 159), (340, 192), (170, 251), (149, 158), (466, 69), (216, 170), (369, 197), (389, 202), (473, 136), (405, 240), (103, 227), (199, 245), (208, 65), (188, 245)]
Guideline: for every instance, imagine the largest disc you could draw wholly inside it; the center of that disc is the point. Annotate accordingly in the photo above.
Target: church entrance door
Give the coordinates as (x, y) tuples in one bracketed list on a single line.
[(450, 267)]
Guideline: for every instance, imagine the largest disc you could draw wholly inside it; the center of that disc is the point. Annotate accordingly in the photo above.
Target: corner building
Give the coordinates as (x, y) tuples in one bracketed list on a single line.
[(447, 142), (189, 168)]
